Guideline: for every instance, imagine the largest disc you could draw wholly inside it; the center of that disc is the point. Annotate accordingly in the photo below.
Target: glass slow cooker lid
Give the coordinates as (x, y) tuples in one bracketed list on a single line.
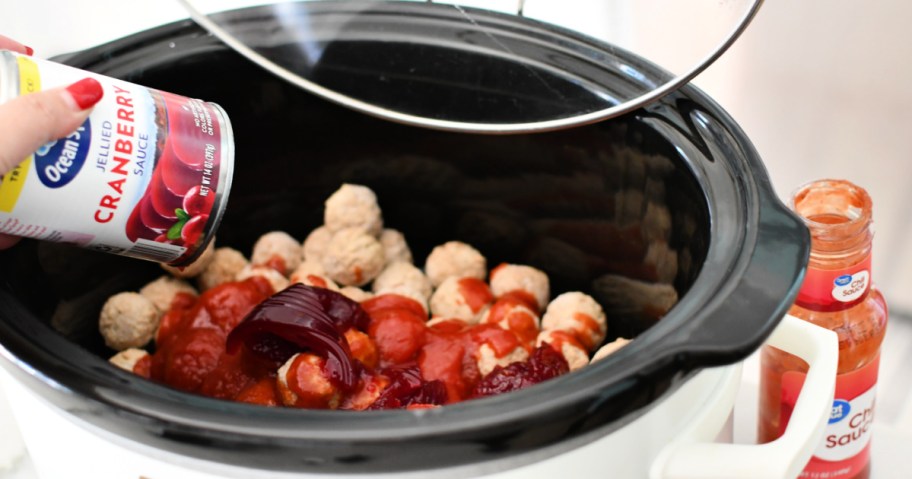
[(480, 65)]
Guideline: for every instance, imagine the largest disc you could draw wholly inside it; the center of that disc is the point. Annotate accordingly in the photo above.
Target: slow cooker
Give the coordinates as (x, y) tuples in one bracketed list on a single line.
[(672, 193)]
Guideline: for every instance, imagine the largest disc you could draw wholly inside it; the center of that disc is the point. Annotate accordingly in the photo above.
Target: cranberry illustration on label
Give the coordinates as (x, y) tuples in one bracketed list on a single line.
[(192, 230), (196, 203), (186, 118), (175, 209), (177, 176), (150, 217), (136, 229), (164, 201)]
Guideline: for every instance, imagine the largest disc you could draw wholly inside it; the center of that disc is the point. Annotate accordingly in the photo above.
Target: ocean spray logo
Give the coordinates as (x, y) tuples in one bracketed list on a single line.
[(59, 161)]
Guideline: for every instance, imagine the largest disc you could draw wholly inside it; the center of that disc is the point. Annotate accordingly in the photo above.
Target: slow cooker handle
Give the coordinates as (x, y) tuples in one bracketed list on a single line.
[(784, 457)]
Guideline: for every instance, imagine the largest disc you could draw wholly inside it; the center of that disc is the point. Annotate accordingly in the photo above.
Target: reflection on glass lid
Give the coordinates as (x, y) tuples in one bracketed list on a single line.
[(482, 65)]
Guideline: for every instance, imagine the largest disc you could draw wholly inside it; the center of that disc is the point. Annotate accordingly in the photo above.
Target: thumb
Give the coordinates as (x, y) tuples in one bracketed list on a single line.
[(31, 120)]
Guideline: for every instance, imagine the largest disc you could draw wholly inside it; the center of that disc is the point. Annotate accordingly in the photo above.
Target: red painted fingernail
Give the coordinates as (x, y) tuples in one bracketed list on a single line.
[(29, 50), (86, 92)]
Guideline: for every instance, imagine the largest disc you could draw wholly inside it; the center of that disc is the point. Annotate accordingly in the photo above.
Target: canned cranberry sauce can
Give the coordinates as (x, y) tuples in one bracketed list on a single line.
[(147, 175)]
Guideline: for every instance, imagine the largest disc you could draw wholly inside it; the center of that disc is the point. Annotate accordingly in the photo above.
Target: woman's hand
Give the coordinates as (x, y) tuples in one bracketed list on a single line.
[(29, 121)]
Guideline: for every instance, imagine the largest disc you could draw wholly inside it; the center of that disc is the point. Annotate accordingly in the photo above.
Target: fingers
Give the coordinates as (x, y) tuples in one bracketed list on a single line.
[(29, 121), (10, 44)]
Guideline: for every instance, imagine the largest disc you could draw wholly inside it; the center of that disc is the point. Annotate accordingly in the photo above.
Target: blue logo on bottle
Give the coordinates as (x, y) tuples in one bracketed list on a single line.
[(843, 280), (841, 409), (59, 161)]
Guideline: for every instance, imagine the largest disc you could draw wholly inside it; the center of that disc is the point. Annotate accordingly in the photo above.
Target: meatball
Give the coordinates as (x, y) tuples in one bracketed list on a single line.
[(578, 314), (278, 250), (515, 316), (312, 273), (407, 293), (405, 275), (275, 278), (311, 387), (369, 388), (128, 320), (609, 349), (353, 257), (307, 267), (356, 294), (523, 281), (353, 206), (487, 359), (461, 298), (315, 244), (567, 345), (129, 358), (317, 281), (362, 347), (163, 290), (457, 259), (195, 268), (395, 247), (225, 265)]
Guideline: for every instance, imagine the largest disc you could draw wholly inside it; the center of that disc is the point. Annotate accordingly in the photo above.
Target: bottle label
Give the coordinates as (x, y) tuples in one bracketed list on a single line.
[(846, 446), (831, 289)]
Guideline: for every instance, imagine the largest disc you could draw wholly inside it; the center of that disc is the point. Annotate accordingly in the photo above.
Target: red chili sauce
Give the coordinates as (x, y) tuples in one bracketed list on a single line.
[(190, 346), (230, 343)]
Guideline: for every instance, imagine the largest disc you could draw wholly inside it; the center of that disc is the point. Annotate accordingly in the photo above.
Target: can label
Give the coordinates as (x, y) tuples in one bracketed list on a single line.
[(146, 175), (846, 446)]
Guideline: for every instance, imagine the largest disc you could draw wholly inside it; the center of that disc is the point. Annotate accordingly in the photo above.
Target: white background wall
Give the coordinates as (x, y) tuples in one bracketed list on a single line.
[(823, 87)]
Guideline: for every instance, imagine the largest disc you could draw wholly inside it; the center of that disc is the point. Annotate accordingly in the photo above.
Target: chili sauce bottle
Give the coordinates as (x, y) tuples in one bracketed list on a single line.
[(837, 294)]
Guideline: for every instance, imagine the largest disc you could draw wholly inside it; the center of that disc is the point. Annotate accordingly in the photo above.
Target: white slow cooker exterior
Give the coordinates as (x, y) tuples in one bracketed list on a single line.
[(678, 438), (60, 445)]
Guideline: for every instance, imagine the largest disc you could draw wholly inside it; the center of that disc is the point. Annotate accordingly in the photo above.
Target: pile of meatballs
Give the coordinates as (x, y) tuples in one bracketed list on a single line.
[(352, 253)]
